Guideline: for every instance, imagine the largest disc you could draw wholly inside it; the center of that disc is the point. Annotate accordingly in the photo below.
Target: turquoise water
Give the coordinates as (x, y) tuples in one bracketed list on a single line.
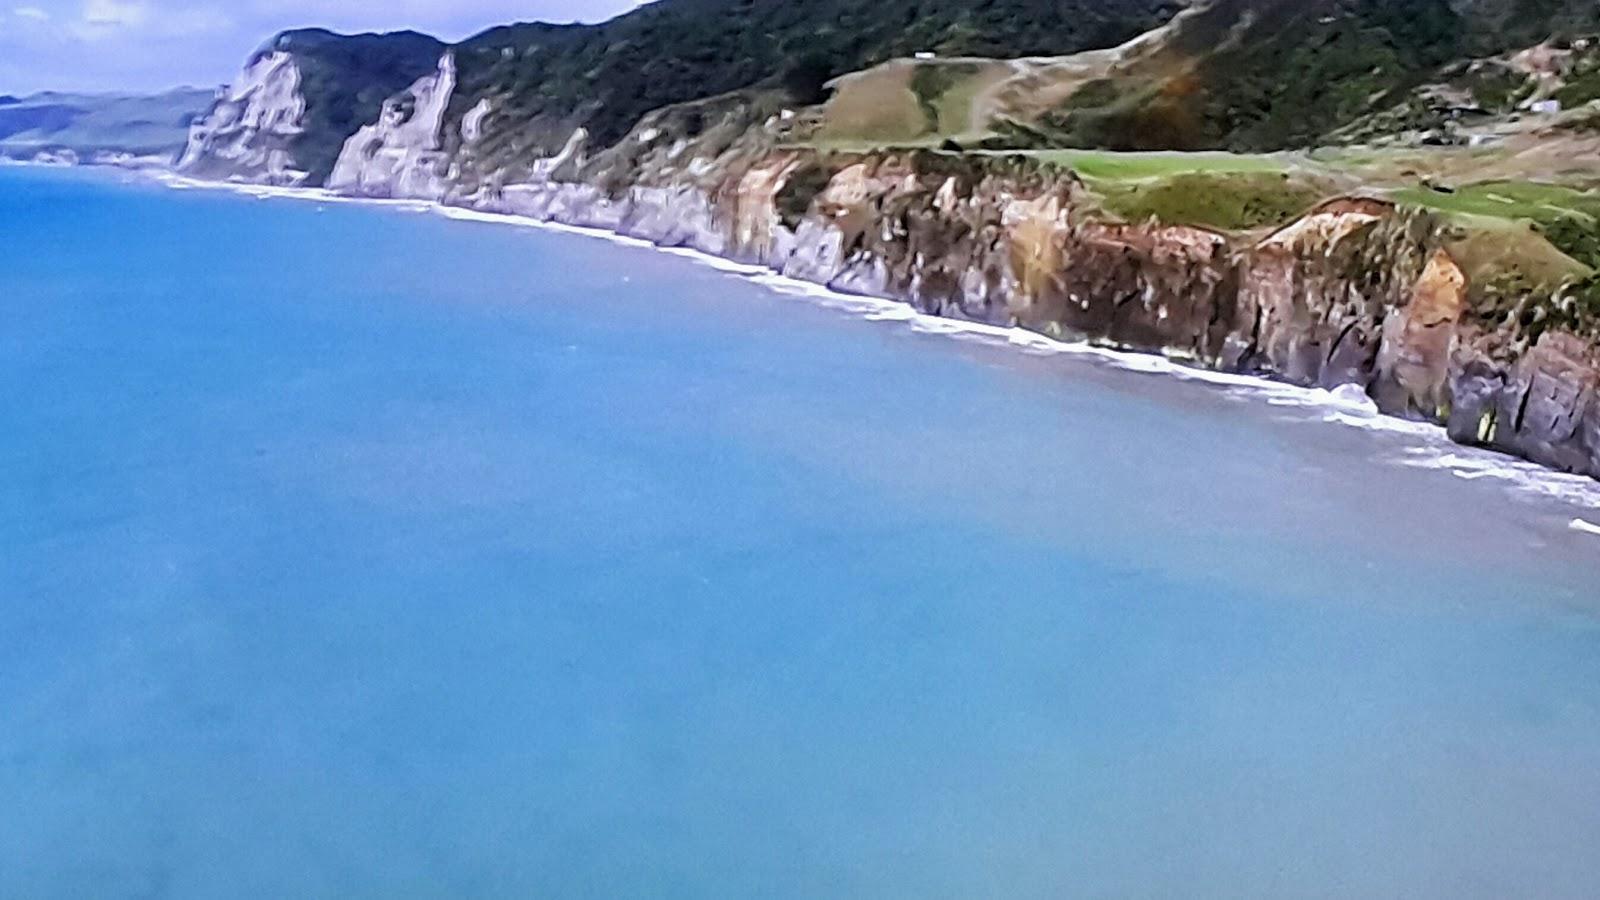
[(354, 552)]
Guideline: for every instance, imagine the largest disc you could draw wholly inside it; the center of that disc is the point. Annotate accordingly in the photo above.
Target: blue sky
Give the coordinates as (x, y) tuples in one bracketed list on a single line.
[(100, 45)]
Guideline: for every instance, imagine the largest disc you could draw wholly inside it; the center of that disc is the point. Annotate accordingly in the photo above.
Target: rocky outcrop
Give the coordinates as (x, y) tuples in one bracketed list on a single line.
[(1419, 336), (249, 133), (1543, 406), (1327, 301), (399, 155)]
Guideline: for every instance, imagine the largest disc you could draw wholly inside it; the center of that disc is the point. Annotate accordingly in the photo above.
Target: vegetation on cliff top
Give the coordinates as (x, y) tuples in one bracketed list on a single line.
[(1567, 218), (1261, 75), (1276, 74), (1229, 74), (1236, 201), (1249, 75)]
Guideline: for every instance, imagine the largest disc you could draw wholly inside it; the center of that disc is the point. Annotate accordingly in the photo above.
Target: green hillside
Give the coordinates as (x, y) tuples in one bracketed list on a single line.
[(1277, 74), (605, 77)]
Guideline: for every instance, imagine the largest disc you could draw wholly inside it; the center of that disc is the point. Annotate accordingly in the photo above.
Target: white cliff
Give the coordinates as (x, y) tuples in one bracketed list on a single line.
[(472, 124), (400, 155), (249, 133)]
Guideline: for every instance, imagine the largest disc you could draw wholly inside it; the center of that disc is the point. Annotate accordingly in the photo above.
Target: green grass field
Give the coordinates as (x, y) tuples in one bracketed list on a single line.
[(1112, 166), (1566, 217), (1509, 200)]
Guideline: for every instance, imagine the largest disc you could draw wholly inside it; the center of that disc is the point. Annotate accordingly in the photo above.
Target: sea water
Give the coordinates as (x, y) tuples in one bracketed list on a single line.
[(361, 552)]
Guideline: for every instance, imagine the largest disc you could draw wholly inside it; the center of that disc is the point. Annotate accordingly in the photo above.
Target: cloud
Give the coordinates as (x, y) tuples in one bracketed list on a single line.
[(32, 13), (115, 13), (101, 18)]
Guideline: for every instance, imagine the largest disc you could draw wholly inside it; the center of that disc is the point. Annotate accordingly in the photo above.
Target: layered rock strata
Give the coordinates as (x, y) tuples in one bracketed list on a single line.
[(1357, 292)]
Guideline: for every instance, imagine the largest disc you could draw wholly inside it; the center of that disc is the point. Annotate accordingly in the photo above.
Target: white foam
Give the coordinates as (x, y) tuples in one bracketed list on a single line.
[(1355, 400), (1390, 424), (269, 192), (1469, 464), (462, 214), (1583, 527), (715, 262), (1346, 406)]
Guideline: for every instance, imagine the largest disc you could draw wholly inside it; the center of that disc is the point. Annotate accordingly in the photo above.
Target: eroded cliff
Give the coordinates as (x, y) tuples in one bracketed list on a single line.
[(297, 102), (249, 132), (399, 155), (1358, 291)]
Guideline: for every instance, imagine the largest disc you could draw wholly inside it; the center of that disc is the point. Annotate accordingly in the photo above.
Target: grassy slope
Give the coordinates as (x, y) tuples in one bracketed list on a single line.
[(1112, 165), (1512, 200), (1567, 218), (1257, 75), (605, 77)]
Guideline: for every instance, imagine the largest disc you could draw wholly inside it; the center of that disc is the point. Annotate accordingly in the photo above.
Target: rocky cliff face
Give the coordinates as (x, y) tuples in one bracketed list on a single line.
[(249, 132), (399, 155), (299, 100), (1357, 292)]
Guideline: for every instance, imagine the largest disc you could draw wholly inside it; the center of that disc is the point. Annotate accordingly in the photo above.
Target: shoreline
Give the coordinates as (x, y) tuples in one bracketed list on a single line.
[(1431, 449)]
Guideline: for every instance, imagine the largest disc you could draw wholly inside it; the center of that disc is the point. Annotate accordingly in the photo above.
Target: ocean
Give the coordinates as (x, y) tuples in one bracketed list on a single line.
[(361, 551)]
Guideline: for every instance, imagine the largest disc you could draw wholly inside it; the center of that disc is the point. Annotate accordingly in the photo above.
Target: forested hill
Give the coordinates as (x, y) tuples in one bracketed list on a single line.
[(607, 76), (1236, 74), (1495, 25), (1277, 74)]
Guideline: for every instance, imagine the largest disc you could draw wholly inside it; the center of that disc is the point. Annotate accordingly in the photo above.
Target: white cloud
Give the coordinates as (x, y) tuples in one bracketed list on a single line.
[(115, 13), (31, 12), (191, 22), (101, 20)]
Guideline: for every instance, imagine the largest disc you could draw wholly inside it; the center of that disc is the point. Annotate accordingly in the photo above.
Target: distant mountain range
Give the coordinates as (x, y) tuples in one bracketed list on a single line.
[(97, 125)]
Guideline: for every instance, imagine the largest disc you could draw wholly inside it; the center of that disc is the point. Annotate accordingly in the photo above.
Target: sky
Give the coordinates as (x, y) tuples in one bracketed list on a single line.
[(148, 45)]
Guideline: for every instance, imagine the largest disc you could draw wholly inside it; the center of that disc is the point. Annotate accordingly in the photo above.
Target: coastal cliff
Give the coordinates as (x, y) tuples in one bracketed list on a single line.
[(297, 101), (399, 155), (1314, 279), (249, 132), (1356, 292)]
